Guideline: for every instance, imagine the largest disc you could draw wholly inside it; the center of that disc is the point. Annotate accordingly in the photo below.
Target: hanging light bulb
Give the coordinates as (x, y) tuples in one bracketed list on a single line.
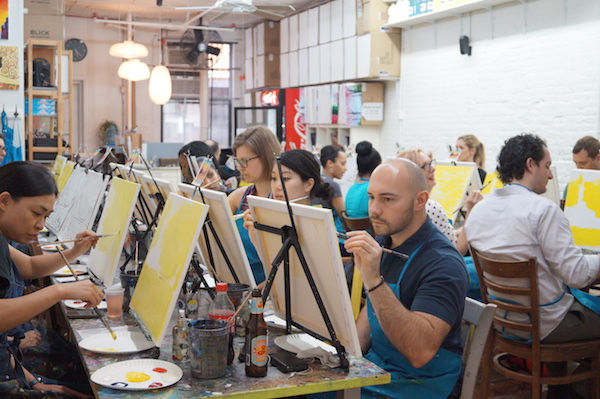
[(128, 49), (160, 85), (134, 70)]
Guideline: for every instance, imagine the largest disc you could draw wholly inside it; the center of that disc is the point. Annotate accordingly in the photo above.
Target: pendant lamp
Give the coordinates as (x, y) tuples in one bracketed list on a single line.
[(128, 49), (160, 85), (134, 70)]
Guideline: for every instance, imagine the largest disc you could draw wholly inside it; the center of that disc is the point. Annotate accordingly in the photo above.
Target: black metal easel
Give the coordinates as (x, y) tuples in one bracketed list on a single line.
[(289, 237)]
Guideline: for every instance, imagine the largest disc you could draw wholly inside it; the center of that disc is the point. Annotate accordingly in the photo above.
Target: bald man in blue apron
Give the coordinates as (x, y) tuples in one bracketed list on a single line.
[(411, 323)]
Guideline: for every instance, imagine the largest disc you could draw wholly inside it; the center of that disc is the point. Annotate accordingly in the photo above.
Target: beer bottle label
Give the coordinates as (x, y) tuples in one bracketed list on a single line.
[(259, 351)]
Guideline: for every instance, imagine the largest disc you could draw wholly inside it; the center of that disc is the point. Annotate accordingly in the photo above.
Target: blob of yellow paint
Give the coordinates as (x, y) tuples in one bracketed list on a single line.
[(136, 376)]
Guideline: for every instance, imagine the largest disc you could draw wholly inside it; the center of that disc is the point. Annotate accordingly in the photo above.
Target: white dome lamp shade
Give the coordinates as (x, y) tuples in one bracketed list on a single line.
[(160, 85), (134, 70), (128, 49)]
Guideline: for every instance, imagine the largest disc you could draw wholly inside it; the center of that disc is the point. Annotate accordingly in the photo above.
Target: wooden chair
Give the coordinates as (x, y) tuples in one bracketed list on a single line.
[(492, 271), (357, 284), (477, 323)]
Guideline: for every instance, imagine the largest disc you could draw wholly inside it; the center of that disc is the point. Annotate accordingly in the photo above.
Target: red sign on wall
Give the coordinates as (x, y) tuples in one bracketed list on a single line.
[(295, 130)]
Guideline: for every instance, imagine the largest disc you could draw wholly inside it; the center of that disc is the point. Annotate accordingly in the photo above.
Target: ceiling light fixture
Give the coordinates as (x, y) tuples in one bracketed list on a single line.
[(128, 49), (134, 70)]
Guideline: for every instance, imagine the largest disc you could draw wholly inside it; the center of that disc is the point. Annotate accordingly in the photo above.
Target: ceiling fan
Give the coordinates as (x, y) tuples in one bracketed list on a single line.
[(223, 7)]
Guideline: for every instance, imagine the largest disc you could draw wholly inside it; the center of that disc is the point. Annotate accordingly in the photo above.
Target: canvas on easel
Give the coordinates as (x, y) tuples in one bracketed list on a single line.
[(59, 164), (64, 176), (166, 264), (318, 240), (582, 208), (116, 216), (77, 205), (229, 236), (454, 182)]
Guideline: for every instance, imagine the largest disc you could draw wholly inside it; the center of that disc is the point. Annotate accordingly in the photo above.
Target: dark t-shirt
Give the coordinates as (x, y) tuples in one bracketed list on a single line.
[(5, 266), (436, 281)]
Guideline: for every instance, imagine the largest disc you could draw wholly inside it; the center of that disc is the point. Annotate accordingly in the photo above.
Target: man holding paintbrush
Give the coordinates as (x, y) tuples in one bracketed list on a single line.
[(411, 324)]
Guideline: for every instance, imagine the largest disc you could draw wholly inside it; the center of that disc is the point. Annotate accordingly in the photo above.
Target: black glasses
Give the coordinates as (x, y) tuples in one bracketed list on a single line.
[(427, 167), (243, 162)]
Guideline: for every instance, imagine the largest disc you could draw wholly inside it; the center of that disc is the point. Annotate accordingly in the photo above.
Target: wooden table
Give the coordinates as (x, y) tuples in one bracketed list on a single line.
[(235, 383)]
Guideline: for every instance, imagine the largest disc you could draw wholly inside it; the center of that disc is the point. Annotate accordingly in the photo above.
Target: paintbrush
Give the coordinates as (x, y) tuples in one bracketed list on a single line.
[(386, 250), (105, 322), (79, 239), (463, 204)]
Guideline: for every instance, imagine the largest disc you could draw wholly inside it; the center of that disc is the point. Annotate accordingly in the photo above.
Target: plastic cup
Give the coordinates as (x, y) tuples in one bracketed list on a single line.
[(209, 345), (114, 301)]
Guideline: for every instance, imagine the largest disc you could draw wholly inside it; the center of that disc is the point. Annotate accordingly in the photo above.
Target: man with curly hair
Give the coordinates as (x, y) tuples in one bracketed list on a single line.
[(516, 223)]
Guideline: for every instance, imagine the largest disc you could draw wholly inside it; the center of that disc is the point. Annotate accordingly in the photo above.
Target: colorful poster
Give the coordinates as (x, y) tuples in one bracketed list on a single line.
[(353, 101), (582, 208), (9, 66), (4, 19), (295, 129)]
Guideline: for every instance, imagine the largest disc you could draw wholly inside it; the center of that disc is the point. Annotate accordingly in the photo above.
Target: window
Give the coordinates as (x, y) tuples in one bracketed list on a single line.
[(181, 115)]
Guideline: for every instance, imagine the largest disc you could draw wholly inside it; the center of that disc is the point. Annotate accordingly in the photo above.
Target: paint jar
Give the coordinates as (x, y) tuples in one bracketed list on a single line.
[(129, 280), (209, 344), (114, 301), (204, 301)]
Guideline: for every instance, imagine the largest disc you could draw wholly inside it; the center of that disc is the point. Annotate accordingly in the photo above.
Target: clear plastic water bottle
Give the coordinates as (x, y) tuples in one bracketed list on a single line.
[(222, 309), (180, 338)]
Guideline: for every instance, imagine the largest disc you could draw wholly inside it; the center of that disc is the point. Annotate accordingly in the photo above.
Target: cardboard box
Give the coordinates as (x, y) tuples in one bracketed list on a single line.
[(47, 27), (44, 7), (268, 35), (371, 113), (378, 55), (371, 15), (267, 71)]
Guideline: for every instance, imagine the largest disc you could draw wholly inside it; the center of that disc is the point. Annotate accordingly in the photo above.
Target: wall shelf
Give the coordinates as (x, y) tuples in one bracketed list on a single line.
[(48, 109), (452, 11)]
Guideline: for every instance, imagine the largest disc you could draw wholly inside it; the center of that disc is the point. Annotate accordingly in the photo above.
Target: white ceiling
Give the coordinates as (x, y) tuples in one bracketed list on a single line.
[(148, 11)]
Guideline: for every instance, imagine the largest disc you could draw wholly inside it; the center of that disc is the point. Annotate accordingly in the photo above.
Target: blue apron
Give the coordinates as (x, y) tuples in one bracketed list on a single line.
[(255, 263), (589, 301), (434, 380)]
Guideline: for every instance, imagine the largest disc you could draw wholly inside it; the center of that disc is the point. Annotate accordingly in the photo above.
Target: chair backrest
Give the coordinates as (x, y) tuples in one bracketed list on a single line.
[(477, 322), (356, 223), (513, 287)]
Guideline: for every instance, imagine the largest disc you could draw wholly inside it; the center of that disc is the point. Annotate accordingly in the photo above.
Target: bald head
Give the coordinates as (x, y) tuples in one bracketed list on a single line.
[(403, 173)]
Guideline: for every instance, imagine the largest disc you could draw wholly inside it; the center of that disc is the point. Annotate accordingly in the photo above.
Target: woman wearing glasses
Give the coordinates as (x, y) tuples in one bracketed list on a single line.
[(255, 151), (434, 210)]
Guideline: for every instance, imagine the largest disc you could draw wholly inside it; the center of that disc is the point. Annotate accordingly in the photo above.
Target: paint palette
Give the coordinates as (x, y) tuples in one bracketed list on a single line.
[(73, 304), (65, 272), (138, 375), (300, 342), (126, 342)]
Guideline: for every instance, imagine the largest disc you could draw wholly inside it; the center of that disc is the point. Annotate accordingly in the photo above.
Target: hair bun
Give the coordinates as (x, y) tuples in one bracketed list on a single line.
[(364, 148)]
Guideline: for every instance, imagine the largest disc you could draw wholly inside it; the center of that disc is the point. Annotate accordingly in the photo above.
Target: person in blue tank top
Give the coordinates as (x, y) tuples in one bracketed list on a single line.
[(357, 200), (411, 323), (255, 150)]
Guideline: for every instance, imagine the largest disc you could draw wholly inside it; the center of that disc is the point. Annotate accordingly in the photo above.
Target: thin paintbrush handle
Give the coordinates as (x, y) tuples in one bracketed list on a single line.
[(112, 334), (384, 249), (68, 264), (79, 239)]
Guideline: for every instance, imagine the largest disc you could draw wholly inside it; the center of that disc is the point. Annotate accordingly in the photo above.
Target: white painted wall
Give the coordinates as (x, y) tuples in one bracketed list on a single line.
[(535, 68), (15, 98)]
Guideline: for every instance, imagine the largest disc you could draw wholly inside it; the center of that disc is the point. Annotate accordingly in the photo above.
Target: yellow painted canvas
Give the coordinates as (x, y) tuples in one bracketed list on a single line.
[(451, 188), (59, 164), (64, 176), (582, 208), (166, 264), (115, 218)]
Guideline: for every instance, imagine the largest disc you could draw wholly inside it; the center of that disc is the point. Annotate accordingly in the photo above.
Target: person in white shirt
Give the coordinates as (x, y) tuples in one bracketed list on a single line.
[(515, 223)]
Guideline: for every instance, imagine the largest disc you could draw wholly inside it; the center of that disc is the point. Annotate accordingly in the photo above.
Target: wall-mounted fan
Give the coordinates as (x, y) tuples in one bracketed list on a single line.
[(200, 48)]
